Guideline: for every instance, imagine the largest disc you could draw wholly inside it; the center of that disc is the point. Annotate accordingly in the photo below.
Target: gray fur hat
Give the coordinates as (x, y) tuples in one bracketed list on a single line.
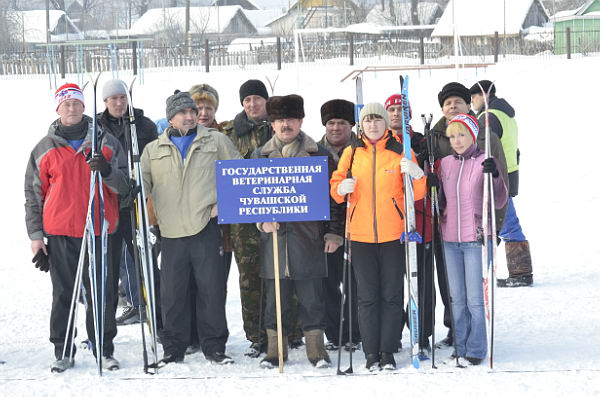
[(179, 101), (113, 87)]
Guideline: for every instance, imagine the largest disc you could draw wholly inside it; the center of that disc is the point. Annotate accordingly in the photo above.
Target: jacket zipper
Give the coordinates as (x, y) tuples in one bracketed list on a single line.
[(374, 201), (462, 163), (397, 208)]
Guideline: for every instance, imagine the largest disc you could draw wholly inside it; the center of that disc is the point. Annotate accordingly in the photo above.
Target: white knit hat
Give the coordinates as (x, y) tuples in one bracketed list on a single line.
[(68, 91), (375, 108)]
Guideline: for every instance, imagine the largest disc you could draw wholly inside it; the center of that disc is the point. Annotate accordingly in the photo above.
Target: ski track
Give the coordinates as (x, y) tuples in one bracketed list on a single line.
[(547, 333)]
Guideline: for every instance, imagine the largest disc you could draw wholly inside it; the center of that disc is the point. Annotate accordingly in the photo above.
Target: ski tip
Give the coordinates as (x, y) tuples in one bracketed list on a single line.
[(416, 363)]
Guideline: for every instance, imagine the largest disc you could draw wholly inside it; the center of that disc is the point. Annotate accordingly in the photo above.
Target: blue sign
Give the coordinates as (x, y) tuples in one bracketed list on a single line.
[(273, 190)]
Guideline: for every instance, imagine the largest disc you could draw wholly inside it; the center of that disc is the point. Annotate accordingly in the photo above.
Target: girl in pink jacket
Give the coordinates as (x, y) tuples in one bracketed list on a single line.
[(461, 197)]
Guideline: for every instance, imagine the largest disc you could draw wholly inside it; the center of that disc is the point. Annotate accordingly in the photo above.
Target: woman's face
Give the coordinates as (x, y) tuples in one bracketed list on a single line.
[(374, 128), (460, 138)]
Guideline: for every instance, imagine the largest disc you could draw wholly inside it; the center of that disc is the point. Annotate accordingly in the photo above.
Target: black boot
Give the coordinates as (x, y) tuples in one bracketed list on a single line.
[(372, 362)]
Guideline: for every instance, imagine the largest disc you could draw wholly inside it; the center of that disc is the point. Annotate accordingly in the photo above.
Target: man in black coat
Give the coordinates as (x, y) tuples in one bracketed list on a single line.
[(302, 245), (115, 121)]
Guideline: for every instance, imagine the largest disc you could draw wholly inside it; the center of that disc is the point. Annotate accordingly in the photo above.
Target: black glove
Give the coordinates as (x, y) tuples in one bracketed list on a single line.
[(41, 261), (433, 181), (98, 163), (489, 167), (134, 189)]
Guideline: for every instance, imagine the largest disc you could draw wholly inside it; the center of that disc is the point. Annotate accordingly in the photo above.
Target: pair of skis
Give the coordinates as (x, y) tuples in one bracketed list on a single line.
[(95, 269)]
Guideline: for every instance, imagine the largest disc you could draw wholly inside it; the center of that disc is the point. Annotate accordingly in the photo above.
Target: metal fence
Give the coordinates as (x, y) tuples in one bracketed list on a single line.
[(359, 49)]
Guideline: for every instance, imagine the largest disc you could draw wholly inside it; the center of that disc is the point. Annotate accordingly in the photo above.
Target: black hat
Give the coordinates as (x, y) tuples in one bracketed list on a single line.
[(337, 109), (285, 107), (454, 89), (253, 87), (179, 101), (485, 84)]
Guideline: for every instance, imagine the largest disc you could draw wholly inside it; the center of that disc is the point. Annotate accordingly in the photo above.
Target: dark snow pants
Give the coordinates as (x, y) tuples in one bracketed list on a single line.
[(64, 257), (333, 299), (194, 256), (379, 270)]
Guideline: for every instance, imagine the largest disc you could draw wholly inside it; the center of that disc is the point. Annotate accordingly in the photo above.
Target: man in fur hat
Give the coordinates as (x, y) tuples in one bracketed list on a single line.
[(301, 259)]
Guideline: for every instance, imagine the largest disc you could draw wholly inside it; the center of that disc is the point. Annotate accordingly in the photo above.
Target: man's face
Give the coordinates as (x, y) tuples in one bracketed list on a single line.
[(395, 114), (454, 105), (70, 112), (255, 107), (116, 105), (206, 113), (477, 102), (286, 130), (338, 132), (185, 120)]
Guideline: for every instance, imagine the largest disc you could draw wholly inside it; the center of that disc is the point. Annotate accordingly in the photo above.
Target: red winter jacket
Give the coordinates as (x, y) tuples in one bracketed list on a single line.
[(57, 185)]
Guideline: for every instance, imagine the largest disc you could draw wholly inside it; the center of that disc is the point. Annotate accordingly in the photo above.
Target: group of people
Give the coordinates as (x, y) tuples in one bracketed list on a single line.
[(366, 170)]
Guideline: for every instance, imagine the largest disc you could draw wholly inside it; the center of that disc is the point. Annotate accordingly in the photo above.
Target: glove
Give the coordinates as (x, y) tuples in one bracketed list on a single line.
[(489, 167), (433, 181), (411, 168), (346, 186), (98, 163), (41, 261)]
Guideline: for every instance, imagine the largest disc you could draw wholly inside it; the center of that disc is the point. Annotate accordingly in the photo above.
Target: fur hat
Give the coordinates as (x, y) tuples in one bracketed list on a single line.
[(285, 107), (454, 89), (204, 92), (468, 121), (485, 84), (375, 108), (179, 101), (253, 87), (337, 109), (113, 87), (68, 91)]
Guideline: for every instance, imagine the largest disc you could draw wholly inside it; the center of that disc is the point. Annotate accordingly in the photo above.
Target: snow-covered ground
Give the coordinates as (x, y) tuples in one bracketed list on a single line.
[(547, 336)]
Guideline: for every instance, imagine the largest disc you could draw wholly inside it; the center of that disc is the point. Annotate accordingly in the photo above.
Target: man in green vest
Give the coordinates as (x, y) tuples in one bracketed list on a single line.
[(501, 118)]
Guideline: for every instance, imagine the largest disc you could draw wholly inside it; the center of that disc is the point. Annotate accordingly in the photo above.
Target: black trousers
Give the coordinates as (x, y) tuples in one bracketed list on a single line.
[(196, 257), (311, 305), (64, 258), (333, 299), (379, 269)]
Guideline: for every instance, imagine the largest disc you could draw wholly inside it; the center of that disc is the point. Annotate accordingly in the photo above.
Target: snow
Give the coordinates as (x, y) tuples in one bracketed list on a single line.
[(475, 19), (32, 25), (260, 18), (547, 339)]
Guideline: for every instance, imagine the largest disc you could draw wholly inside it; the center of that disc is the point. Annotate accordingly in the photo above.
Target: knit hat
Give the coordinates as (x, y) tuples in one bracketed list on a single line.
[(204, 92), (113, 87), (485, 84), (68, 91), (179, 101), (253, 87), (285, 107), (337, 109), (454, 89), (396, 99), (468, 121), (375, 108)]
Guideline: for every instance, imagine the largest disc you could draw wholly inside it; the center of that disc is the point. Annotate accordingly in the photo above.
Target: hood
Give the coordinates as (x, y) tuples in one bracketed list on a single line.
[(503, 106)]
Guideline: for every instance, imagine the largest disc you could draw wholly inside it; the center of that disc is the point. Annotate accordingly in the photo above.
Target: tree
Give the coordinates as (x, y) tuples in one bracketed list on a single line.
[(414, 12)]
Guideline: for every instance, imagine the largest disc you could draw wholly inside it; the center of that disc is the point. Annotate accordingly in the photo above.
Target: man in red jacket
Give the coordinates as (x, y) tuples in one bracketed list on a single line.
[(56, 200)]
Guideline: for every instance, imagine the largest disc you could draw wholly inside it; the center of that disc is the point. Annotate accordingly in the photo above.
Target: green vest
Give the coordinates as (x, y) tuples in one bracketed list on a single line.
[(510, 138)]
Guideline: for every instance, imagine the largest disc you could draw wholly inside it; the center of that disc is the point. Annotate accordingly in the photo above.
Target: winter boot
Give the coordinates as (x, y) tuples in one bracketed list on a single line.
[(61, 365), (387, 361), (110, 363), (315, 348), (372, 362), (271, 360), (518, 261)]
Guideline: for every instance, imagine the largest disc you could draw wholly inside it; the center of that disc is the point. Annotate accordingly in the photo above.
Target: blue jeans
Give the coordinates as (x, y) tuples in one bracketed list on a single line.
[(128, 276), (465, 280), (511, 230)]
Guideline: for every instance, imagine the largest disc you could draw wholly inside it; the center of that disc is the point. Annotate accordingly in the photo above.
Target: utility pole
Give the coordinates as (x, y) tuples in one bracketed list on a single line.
[(187, 26), (47, 21)]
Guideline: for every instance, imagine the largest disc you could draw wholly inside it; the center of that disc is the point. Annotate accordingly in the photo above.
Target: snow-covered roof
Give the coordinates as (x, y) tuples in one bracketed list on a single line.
[(484, 18), (250, 43), (279, 5), (260, 18), (203, 19), (426, 11), (577, 13), (32, 25)]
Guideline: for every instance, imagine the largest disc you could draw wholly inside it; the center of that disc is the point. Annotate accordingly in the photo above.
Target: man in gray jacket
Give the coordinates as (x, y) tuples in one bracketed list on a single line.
[(179, 175)]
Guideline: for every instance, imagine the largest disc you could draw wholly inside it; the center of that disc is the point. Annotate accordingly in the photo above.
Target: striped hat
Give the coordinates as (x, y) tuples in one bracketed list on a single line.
[(68, 91), (468, 121)]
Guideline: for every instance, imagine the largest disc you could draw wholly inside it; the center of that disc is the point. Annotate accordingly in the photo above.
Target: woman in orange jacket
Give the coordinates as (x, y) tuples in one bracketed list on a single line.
[(369, 176)]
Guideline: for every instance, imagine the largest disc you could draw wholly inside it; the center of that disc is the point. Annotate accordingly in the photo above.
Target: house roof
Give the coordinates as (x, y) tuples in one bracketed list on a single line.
[(579, 12), (203, 19), (484, 19), (260, 18), (33, 26), (426, 10)]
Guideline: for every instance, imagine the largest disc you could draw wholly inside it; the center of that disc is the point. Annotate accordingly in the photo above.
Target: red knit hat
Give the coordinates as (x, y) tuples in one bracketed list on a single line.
[(396, 99), (68, 91), (468, 121)]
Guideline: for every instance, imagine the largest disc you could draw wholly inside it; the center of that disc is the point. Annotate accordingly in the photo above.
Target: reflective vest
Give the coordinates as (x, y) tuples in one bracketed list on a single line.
[(510, 138)]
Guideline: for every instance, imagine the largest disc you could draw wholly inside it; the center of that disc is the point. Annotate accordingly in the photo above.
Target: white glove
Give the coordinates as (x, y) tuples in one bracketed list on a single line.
[(346, 186), (411, 168)]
